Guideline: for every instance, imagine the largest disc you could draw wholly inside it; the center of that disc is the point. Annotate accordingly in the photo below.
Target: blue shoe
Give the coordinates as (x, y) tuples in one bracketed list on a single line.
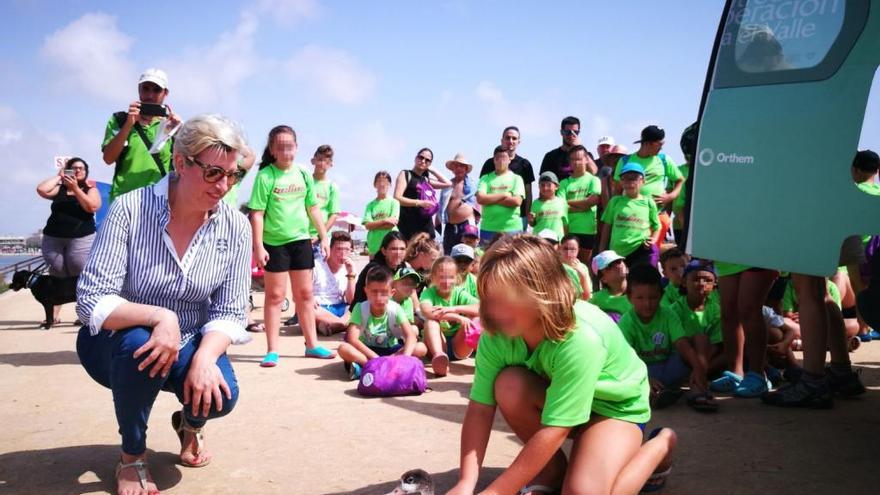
[(753, 385), (773, 375), (270, 361), (320, 352), (354, 372), (874, 334), (728, 382), (866, 337)]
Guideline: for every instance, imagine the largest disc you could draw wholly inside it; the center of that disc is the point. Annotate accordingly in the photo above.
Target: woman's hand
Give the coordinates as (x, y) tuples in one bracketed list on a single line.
[(261, 257), (70, 183), (163, 345), (204, 386)]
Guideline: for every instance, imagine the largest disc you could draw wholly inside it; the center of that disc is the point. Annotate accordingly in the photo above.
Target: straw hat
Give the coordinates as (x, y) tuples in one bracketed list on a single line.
[(460, 159)]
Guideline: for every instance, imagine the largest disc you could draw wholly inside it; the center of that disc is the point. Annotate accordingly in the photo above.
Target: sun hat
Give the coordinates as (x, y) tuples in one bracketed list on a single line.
[(407, 272), (604, 259), (462, 251), (618, 149), (549, 235), (155, 76), (548, 176), (459, 159), (632, 167)]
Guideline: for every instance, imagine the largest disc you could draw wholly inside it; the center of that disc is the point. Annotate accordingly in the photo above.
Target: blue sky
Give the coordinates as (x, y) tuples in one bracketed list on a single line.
[(377, 80)]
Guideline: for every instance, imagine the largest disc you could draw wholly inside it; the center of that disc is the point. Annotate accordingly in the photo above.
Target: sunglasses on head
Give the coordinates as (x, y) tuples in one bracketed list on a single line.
[(212, 173), (570, 132)]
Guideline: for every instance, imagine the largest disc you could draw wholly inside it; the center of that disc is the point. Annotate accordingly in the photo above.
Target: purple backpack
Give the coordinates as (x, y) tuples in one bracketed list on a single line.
[(390, 376), (427, 193)]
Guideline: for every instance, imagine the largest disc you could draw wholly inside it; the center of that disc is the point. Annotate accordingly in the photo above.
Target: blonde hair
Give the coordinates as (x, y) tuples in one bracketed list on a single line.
[(209, 131), (529, 267), (443, 260), (418, 244)]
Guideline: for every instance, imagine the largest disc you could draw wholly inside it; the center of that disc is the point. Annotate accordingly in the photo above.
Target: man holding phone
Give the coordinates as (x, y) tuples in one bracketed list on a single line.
[(131, 135)]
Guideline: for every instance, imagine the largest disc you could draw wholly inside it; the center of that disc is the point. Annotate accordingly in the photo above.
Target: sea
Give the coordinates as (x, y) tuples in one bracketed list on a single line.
[(11, 259)]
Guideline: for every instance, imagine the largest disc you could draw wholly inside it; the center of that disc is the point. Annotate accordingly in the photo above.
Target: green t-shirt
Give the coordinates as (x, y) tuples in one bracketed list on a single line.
[(706, 322), (874, 190), (609, 303), (678, 203), (470, 285), (631, 221), (284, 196), (671, 295), (576, 188), (659, 173), (592, 370), (135, 167), (327, 199), (500, 218), (575, 280), (376, 333), (652, 341), (551, 214), (380, 209), (231, 197), (790, 299), (459, 297), (407, 306), (725, 269)]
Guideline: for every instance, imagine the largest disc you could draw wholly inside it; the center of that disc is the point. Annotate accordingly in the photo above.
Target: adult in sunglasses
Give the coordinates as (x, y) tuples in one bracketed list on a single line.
[(556, 160), (412, 190), (163, 295)]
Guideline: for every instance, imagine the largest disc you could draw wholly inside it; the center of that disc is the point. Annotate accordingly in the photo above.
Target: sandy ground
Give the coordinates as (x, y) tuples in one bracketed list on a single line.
[(301, 429)]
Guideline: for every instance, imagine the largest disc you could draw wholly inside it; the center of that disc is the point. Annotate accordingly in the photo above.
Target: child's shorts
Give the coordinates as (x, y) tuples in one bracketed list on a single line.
[(672, 372), (296, 255), (337, 310), (386, 351), (586, 241)]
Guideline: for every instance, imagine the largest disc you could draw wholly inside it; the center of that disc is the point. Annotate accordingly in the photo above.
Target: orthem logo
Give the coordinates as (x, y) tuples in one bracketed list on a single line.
[(708, 157)]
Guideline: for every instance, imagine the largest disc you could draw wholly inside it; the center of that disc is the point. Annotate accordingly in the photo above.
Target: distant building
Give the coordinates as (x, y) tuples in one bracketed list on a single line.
[(12, 243)]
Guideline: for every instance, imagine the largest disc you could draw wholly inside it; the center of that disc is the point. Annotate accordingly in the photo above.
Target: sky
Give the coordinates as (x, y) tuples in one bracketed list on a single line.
[(376, 80)]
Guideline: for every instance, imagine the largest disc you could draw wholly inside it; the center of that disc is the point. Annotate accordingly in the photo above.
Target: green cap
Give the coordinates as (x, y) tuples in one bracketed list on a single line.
[(405, 272)]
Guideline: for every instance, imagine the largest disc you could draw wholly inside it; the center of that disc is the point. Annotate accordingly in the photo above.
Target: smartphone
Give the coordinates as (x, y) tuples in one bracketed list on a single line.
[(69, 172), (154, 110)]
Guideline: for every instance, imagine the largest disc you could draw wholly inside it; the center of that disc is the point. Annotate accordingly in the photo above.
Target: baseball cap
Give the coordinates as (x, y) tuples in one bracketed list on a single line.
[(462, 251), (548, 176), (405, 272), (699, 266), (632, 167), (155, 76), (652, 133), (606, 140), (603, 259), (471, 230), (549, 235)]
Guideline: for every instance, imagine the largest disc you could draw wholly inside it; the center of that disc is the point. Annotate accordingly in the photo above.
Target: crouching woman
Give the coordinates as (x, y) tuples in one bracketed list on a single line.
[(163, 295)]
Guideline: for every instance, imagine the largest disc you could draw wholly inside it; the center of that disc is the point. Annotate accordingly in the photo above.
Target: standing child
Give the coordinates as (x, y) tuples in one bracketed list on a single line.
[(582, 191), (549, 212), (651, 329), (326, 193), (282, 205), (379, 326), (611, 270), (381, 214), (464, 257), (569, 250), (446, 309), (673, 261), (557, 369), (630, 222), (500, 193)]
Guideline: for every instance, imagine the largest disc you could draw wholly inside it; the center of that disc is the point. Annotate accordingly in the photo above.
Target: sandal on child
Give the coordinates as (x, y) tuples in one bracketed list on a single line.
[(538, 489), (702, 402), (178, 422), (752, 386), (140, 466), (728, 382)]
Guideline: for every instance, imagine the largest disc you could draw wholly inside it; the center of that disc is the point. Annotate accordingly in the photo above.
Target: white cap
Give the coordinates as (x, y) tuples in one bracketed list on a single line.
[(462, 250), (549, 235), (606, 140), (155, 76), (603, 259)]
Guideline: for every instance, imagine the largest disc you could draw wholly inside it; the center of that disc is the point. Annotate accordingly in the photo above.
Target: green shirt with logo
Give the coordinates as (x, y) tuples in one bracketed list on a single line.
[(458, 297), (380, 209), (327, 199), (551, 214), (377, 332), (285, 197), (135, 167), (652, 341), (577, 188), (632, 220), (500, 218), (610, 303), (660, 172), (706, 321)]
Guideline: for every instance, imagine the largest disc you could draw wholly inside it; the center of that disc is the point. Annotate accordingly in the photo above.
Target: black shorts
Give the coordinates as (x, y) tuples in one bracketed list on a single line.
[(587, 241), (296, 255)]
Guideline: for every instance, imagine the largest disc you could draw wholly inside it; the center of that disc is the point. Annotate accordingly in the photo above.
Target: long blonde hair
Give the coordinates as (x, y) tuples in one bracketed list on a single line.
[(530, 268)]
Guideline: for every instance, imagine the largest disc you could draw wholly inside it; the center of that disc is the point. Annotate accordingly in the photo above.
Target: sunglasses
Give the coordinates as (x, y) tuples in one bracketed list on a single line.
[(570, 132), (212, 173), (424, 159)]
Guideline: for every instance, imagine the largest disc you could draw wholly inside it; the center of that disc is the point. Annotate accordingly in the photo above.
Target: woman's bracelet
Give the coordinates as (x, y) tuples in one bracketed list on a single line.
[(153, 315)]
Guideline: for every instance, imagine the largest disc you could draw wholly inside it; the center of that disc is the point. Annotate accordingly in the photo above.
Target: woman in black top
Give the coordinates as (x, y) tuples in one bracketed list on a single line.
[(390, 255), (412, 219)]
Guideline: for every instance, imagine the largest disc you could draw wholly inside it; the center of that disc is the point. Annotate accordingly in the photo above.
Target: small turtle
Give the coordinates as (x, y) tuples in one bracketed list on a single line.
[(414, 482)]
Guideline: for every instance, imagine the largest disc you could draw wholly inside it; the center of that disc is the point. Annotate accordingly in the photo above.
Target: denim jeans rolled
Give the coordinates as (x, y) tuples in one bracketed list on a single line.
[(108, 359), (673, 372)]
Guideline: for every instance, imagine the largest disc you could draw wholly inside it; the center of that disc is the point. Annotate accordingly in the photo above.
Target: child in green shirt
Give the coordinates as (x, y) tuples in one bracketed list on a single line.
[(500, 193), (569, 250), (556, 368), (673, 261), (611, 270), (378, 326), (326, 191), (549, 212), (403, 290), (652, 329), (631, 224), (464, 257), (582, 192), (381, 214), (446, 309)]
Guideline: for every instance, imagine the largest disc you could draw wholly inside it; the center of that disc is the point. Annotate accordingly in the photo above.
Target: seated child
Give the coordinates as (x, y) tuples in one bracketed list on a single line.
[(403, 289), (700, 313), (557, 368), (464, 260), (569, 250), (471, 236), (651, 329), (446, 310), (611, 270), (631, 224), (377, 326), (673, 261)]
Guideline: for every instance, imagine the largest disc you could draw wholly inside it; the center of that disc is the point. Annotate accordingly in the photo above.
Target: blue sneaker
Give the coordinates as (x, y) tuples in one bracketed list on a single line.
[(866, 337), (726, 384), (270, 361), (753, 385), (320, 352), (874, 334)]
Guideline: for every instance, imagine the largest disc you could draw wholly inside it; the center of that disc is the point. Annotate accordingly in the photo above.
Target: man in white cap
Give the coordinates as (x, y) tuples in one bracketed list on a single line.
[(605, 144), (136, 141), (457, 202)]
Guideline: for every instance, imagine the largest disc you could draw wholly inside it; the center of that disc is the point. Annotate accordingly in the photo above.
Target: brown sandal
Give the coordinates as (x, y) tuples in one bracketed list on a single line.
[(178, 422)]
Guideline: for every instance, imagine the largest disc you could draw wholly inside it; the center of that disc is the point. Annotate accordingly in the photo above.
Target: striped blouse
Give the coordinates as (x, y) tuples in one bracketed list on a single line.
[(133, 260)]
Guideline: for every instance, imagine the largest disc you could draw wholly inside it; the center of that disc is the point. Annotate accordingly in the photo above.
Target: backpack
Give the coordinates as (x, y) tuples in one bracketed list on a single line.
[(426, 192), (391, 376), (393, 327)]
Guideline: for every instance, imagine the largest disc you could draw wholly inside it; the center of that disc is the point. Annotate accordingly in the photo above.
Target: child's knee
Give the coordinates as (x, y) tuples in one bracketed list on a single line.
[(513, 387)]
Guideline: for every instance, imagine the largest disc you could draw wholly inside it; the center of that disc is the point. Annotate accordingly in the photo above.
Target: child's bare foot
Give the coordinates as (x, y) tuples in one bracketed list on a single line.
[(667, 438), (440, 364), (133, 477)]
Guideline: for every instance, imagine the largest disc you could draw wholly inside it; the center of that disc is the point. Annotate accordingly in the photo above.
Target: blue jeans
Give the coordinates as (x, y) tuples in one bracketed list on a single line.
[(107, 357), (672, 372)]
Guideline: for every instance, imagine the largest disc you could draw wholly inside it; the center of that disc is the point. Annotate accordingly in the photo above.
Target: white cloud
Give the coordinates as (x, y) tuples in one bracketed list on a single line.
[(288, 12), (332, 74), (533, 117), (93, 53), (376, 146), (601, 125)]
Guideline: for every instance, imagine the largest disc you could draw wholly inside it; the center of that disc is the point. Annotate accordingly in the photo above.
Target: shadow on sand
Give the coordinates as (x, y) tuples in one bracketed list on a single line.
[(40, 358), (442, 483)]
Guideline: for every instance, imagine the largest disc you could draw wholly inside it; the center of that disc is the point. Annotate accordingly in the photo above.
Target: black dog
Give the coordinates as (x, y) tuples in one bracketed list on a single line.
[(47, 290)]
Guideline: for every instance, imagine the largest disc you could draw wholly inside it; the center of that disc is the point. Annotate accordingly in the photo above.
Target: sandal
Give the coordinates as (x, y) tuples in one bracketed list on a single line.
[(702, 402), (440, 365), (538, 489), (178, 422), (657, 481), (726, 384), (140, 466), (666, 398), (255, 327)]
